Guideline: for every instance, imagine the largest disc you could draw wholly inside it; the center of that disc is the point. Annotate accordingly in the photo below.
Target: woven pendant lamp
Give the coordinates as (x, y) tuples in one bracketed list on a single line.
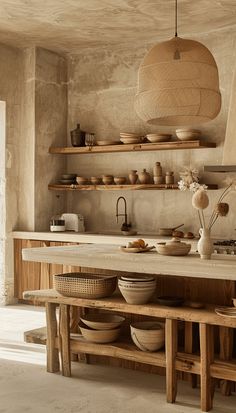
[(178, 84)]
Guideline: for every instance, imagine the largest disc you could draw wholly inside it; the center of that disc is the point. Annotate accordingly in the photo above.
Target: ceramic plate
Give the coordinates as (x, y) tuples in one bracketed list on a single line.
[(226, 311), (135, 250)]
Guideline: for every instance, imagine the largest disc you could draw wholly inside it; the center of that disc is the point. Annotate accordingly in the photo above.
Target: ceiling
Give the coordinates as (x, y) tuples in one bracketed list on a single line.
[(71, 25)]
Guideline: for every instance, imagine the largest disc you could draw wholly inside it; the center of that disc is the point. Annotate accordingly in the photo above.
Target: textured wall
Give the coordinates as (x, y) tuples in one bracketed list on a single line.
[(101, 96), (11, 94), (50, 129)]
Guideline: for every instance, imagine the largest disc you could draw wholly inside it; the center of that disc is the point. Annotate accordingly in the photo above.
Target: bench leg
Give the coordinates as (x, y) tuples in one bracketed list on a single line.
[(74, 326), (189, 348), (226, 350), (171, 351), (52, 352), (206, 357), (64, 339)]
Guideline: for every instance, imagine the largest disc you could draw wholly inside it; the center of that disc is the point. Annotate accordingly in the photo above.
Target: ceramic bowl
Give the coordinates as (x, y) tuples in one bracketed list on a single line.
[(107, 179), (119, 180), (81, 180), (148, 335), (137, 295), (68, 176), (131, 140), (95, 180), (170, 301), (99, 336), (136, 285), (173, 247), (102, 321), (188, 134), (158, 137)]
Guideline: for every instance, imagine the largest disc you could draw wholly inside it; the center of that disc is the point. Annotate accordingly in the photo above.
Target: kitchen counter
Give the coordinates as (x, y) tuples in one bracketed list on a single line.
[(111, 258), (92, 238)]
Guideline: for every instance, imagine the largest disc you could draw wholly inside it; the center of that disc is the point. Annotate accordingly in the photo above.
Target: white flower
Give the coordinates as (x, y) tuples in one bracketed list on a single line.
[(182, 185)]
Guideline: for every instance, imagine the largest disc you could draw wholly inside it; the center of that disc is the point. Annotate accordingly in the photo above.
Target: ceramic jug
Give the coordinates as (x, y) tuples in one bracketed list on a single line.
[(133, 177), (205, 244), (77, 136), (157, 169), (144, 177)]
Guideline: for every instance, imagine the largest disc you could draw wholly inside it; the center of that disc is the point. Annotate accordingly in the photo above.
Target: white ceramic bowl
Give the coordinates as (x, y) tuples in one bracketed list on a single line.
[(137, 295), (188, 134), (148, 335), (137, 285)]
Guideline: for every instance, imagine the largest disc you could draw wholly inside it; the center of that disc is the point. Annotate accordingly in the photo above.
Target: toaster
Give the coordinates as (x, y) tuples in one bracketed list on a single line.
[(73, 222)]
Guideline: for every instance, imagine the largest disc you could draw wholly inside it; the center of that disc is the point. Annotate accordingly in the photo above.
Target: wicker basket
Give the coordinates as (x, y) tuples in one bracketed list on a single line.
[(85, 285)]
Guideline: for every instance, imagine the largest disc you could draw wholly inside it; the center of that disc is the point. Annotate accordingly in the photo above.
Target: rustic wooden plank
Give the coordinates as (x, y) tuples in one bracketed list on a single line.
[(171, 352), (36, 336), (207, 356), (172, 145), (52, 352), (64, 339), (206, 315), (226, 352), (188, 348), (136, 187)]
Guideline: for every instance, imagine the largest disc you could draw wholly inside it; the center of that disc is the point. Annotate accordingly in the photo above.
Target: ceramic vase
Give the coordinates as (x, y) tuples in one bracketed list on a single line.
[(144, 177), (133, 177), (205, 244), (77, 136)]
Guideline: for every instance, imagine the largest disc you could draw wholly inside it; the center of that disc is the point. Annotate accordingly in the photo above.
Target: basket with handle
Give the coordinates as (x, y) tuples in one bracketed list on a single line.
[(85, 285)]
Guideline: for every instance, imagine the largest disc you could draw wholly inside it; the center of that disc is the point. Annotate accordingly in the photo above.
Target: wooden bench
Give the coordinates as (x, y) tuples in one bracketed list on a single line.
[(61, 341)]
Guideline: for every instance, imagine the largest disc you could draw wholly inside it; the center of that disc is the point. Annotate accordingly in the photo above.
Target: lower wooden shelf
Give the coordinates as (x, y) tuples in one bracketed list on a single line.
[(74, 187)]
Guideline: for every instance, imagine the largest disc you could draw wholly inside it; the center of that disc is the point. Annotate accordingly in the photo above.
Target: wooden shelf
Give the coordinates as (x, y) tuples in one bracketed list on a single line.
[(132, 147), (74, 187)]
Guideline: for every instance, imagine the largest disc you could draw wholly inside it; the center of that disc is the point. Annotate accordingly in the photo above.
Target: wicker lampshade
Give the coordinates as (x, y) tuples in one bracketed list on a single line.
[(178, 84)]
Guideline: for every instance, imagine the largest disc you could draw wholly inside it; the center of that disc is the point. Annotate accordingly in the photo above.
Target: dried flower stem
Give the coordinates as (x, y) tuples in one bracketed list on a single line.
[(199, 217)]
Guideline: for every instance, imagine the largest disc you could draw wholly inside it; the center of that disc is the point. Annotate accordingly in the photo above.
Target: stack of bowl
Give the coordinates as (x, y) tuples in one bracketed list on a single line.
[(138, 289), (101, 327)]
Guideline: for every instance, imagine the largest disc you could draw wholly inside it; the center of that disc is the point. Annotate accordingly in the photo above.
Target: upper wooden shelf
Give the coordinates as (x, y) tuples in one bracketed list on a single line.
[(71, 150), (75, 187)]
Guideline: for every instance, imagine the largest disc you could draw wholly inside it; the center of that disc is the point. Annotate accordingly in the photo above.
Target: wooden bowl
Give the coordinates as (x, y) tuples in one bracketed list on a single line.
[(102, 321), (81, 180), (158, 137), (95, 180), (99, 336), (107, 179), (148, 335)]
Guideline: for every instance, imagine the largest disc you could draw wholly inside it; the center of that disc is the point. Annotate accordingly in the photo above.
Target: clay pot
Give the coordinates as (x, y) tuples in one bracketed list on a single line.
[(144, 177), (107, 179), (157, 169), (133, 177), (119, 180), (95, 180)]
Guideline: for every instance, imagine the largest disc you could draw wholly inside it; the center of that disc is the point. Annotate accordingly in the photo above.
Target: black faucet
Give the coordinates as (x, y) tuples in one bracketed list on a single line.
[(125, 226)]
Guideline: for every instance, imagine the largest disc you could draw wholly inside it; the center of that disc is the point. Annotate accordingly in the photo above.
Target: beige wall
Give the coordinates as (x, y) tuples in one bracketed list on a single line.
[(101, 89)]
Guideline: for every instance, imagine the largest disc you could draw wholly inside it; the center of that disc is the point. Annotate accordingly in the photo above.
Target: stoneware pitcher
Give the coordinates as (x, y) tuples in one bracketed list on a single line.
[(205, 244)]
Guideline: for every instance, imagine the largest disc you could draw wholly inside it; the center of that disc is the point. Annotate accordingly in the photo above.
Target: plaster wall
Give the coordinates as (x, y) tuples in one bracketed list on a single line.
[(101, 90), (11, 94), (50, 129)]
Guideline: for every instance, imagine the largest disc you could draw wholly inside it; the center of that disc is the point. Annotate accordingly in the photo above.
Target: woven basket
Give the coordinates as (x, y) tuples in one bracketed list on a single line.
[(85, 285)]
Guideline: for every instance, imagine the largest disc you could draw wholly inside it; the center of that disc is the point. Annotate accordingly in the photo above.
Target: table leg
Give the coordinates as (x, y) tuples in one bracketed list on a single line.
[(189, 348), (74, 326), (64, 339), (171, 351), (207, 357), (52, 352), (226, 350)]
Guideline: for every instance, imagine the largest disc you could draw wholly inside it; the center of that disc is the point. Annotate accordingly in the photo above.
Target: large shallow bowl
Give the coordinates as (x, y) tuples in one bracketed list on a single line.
[(174, 247), (102, 321), (148, 335), (99, 336), (85, 285), (137, 295)]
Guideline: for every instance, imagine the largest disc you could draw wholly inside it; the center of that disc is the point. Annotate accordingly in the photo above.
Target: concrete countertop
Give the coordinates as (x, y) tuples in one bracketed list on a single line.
[(93, 238), (110, 257)]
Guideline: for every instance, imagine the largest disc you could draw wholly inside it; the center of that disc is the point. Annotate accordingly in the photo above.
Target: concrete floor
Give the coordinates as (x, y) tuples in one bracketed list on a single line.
[(25, 386)]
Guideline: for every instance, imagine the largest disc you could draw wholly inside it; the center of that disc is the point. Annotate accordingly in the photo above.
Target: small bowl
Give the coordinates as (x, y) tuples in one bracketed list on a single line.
[(81, 180), (162, 137), (170, 301), (148, 335), (102, 321), (99, 336), (107, 179), (188, 134), (119, 180), (96, 180), (68, 176)]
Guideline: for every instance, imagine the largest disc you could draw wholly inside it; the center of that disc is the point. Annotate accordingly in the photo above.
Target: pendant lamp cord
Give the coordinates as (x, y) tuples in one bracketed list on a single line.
[(176, 21)]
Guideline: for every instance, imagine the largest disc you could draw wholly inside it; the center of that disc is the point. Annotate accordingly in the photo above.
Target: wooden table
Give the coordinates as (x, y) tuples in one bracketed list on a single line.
[(109, 257)]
